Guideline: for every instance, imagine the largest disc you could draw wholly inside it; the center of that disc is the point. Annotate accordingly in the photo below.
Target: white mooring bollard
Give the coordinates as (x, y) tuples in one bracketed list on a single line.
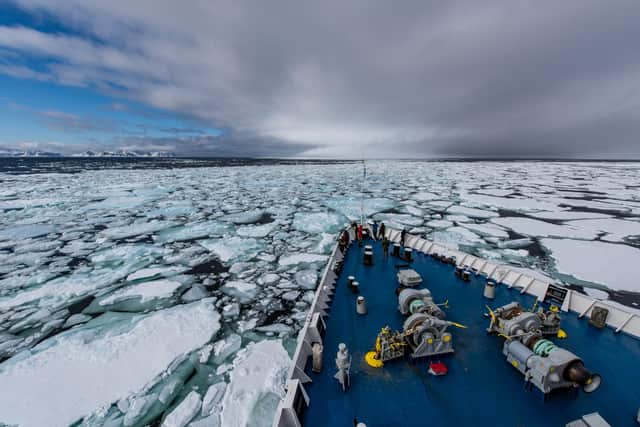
[(361, 305)]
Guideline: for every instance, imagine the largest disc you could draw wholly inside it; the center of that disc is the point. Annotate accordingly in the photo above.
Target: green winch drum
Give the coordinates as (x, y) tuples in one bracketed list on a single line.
[(415, 305), (543, 348)]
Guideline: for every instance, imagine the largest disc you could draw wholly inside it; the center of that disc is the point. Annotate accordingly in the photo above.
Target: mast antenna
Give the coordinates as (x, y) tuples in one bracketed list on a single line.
[(364, 181)]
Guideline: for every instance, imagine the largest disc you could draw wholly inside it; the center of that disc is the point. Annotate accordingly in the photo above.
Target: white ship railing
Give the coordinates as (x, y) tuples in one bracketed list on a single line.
[(296, 399), (619, 319)]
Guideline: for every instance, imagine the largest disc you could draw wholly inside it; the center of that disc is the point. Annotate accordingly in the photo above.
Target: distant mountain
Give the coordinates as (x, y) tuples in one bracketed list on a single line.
[(27, 153), (124, 153), (120, 153)]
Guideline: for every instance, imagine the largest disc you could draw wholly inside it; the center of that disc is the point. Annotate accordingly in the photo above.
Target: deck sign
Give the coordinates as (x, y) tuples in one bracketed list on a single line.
[(555, 294)]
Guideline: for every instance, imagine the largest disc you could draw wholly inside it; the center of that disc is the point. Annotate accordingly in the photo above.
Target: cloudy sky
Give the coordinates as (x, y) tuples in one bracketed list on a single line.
[(323, 78)]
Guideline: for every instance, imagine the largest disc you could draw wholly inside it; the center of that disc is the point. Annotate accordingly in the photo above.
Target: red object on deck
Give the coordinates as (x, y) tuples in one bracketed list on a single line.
[(437, 368)]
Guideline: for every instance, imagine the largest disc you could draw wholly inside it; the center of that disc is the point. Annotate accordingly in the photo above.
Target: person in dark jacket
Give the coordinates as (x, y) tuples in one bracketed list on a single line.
[(381, 230), (374, 230), (344, 240), (403, 235)]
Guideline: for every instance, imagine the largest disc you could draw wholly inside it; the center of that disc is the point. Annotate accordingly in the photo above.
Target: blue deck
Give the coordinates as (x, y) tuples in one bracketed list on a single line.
[(481, 388)]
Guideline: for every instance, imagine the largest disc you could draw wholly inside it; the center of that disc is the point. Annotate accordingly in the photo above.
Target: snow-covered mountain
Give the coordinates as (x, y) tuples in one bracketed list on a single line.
[(124, 153), (27, 153), (118, 153)]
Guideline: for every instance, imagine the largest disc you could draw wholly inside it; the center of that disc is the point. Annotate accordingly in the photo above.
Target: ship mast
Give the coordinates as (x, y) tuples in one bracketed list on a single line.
[(362, 187)]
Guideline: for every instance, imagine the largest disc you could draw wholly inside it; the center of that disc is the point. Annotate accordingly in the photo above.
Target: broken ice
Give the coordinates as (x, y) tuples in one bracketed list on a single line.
[(146, 294)]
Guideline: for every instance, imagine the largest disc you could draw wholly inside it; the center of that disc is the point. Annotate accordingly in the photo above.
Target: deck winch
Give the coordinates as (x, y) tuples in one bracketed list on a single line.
[(424, 332), (411, 301), (427, 336), (543, 364), (408, 277)]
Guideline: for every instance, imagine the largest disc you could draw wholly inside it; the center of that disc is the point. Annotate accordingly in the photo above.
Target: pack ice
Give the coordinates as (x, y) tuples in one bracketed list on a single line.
[(111, 281), (74, 373)]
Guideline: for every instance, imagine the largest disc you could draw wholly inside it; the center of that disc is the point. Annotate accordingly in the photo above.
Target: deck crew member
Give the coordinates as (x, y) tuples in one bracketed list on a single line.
[(403, 234), (381, 230), (385, 247), (344, 240), (374, 230)]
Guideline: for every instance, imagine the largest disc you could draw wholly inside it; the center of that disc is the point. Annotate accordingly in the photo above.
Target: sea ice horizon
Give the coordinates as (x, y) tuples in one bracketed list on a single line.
[(173, 295)]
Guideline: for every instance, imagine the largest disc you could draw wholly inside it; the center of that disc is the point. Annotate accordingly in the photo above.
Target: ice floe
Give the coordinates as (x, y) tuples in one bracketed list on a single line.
[(472, 212), (585, 260), (612, 229), (536, 228), (136, 229), (185, 411), (318, 222), (516, 204), (490, 230), (439, 223), (19, 232), (306, 279), (233, 248), (77, 372), (401, 219), (353, 207), (256, 385), (301, 259), (454, 236), (192, 232), (244, 292), (155, 272), (247, 217), (256, 230), (568, 215), (145, 291), (212, 398)]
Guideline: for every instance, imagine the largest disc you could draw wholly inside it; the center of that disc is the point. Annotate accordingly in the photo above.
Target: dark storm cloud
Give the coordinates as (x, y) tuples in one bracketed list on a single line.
[(379, 79), (212, 146)]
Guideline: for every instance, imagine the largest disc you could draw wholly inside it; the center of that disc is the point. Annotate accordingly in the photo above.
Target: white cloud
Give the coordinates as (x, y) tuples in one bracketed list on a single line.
[(376, 77)]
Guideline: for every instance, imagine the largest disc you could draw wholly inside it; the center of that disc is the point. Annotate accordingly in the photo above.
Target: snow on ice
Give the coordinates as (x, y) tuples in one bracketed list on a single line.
[(256, 387), (111, 280), (77, 372)]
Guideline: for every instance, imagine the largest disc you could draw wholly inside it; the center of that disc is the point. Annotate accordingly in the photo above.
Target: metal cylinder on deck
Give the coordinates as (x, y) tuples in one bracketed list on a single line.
[(317, 350), (396, 249), (519, 351), (350, 280), (355, 287), (489, 289), (361, 305), (466, 275), (368, 255), (408, 254)]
